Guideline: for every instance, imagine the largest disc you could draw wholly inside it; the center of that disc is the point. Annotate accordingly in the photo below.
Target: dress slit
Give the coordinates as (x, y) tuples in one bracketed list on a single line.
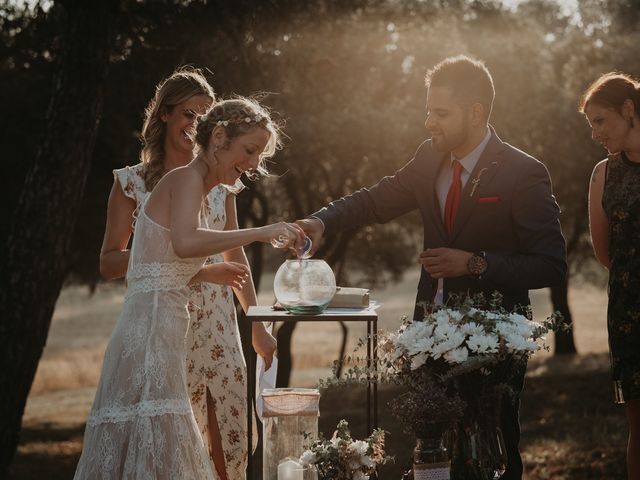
[(214, 431)]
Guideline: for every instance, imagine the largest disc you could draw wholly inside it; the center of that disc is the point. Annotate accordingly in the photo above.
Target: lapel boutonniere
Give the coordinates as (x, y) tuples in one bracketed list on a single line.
[(476, 181)]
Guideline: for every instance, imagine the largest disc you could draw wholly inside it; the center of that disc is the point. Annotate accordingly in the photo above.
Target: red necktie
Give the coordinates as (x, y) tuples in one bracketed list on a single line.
[(453, 198)]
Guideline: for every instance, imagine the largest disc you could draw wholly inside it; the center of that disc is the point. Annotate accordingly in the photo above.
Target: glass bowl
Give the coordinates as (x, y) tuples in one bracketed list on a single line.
[(304, 286)]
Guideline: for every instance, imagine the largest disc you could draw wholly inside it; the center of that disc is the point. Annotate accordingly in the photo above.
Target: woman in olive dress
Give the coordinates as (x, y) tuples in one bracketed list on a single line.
[(612, 107)]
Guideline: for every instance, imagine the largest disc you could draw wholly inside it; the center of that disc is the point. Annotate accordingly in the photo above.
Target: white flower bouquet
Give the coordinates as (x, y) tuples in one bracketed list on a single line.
[(464, 338), (343, 458)]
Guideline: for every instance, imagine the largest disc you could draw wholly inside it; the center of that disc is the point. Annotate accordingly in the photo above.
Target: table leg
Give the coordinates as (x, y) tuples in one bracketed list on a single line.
[(369, 385), (375, 368), (250, 388)]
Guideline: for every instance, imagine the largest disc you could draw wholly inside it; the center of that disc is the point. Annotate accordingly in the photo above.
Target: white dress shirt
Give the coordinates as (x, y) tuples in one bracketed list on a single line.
[(443, 183)]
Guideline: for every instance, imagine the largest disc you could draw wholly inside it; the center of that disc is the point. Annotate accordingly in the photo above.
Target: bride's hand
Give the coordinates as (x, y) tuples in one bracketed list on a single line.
[(283, 234), (263, 343), (232, 274)]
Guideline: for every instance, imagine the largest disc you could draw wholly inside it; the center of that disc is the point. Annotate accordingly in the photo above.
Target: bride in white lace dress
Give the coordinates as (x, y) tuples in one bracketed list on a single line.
[(141, 425)]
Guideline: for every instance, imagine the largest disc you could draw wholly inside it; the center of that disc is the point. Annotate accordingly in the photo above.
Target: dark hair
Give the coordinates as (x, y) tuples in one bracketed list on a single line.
[(611, 90), (467, 77)]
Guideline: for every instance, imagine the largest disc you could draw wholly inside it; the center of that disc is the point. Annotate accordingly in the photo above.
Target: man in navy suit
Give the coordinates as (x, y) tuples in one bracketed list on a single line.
[(491, 222)]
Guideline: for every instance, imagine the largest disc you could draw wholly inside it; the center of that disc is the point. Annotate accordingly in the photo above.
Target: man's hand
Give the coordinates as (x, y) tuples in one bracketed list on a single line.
[(445, 262), (314, 229)]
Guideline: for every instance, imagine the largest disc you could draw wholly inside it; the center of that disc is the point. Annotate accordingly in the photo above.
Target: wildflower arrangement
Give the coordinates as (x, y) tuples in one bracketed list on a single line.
[(425, 404), (454, 354), (455, 366), (343, 458)]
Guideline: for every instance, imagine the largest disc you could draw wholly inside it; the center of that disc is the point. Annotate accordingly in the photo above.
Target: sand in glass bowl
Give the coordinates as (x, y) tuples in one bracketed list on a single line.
[(304, 286)]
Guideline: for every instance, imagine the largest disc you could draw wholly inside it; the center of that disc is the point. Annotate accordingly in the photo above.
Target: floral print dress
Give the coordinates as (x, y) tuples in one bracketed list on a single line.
[(621, 202), (215, 360)]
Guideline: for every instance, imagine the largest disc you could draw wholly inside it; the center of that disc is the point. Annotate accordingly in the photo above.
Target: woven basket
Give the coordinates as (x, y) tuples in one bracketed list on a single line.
[(283, 402)]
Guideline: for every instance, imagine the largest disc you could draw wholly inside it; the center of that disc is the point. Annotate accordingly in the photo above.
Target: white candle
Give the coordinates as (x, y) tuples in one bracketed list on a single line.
[(290, 470)]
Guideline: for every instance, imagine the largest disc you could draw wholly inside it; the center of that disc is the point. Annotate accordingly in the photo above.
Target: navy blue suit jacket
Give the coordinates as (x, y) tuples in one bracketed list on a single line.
[(512, 215)]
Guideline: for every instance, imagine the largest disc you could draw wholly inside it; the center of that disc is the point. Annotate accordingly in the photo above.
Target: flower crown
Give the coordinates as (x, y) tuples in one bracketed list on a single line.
[(237, 121)]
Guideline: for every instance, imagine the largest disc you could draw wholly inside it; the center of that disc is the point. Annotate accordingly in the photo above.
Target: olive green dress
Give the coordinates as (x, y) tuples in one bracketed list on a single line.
[(621, 202)]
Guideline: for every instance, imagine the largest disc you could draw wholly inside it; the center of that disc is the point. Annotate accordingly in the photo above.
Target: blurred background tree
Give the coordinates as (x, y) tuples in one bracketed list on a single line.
[(347, 76), (34, 260)]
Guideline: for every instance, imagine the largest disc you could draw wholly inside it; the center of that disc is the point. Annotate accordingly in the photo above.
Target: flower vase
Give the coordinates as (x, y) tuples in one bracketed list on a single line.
[(478, 446), (430, 457)]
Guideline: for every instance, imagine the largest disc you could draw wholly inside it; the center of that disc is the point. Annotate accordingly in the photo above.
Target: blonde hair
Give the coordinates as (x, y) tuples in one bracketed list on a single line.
[(240, 116), (183, 84)]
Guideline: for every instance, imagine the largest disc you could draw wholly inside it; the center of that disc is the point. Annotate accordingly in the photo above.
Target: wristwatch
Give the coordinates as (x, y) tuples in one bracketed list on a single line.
[(477, 264)]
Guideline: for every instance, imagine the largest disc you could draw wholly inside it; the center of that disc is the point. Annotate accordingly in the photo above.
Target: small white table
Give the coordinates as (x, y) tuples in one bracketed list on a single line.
[(262, 313)]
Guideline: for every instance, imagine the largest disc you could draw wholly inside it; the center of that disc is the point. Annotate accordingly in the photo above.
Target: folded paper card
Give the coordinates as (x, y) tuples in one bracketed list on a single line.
[(350, 297)]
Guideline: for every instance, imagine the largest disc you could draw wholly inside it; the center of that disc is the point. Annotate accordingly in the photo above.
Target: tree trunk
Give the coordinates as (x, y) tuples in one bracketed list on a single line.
[(560, 300), (35, 259), (564, 342)]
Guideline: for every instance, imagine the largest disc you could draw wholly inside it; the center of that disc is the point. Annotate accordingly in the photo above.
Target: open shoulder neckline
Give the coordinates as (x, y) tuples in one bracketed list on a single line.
[(144, 212)]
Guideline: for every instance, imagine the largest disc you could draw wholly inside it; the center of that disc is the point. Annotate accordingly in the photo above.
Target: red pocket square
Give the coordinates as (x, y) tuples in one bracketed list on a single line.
[(488, 199)]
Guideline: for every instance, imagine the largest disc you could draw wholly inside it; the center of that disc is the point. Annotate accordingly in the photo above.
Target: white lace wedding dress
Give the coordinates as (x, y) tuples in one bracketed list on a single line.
[(141, 425)]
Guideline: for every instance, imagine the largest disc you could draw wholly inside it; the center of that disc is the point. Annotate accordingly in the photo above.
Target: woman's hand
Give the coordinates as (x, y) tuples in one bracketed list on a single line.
[(263, 343), (232, 274), (285, 235)]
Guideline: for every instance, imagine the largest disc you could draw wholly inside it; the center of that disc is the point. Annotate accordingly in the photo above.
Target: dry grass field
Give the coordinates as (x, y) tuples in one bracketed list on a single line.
[(571, 430)]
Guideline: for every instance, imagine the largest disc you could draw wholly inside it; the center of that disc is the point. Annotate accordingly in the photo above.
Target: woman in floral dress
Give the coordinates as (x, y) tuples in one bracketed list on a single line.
[(612, 107), (215, 362)]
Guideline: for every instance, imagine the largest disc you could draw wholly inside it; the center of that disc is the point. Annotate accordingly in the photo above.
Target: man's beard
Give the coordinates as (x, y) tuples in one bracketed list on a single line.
[(450, 143)]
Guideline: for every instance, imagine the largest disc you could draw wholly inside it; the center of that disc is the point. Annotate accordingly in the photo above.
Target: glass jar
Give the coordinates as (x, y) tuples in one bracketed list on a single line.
[(304, 286), (479, 451), (290, 422), (430, 457)]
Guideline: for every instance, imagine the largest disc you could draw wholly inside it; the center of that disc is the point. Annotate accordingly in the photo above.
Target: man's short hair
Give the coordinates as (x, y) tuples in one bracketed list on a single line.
[(468, 78)]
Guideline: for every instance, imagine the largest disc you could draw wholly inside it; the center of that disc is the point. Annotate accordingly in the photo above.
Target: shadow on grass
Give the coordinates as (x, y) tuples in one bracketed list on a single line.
[(571, 430), (47, 451)]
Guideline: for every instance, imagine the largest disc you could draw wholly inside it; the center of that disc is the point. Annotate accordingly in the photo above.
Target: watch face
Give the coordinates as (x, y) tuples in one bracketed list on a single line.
[(477, 264)]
